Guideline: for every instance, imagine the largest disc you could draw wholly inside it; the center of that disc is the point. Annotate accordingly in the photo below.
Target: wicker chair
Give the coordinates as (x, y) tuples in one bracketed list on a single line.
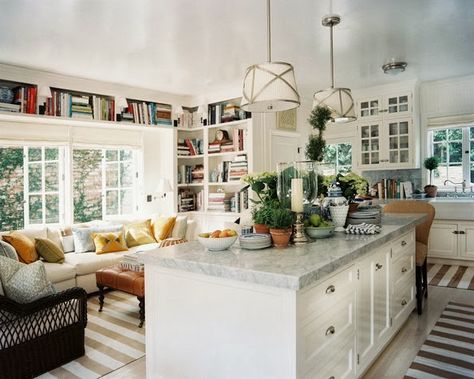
[(42, 335), (422, 235)]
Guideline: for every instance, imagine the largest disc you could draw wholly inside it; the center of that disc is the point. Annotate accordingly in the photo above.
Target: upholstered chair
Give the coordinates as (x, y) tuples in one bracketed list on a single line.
[(422, 235)]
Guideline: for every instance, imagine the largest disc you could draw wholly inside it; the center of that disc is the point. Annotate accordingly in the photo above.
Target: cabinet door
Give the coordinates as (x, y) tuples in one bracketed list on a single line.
[(364, 311), (370, 139), (397, 104), (381, 294), (443, 241), (399, 142), (466, 241), (369, 107)]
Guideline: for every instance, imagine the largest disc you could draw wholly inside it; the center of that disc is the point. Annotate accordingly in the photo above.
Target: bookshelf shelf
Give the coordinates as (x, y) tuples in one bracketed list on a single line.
[(229, 124), (226, 154), (225, 184), (199, 156), (184, 185), (183, 129)]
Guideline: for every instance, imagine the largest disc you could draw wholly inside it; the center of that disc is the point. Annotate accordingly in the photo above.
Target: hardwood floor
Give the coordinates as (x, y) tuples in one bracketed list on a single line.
[(397, 357)]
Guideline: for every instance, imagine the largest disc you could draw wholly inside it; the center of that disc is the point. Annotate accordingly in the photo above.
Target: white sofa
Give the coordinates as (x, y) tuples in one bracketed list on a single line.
[(78, 269)]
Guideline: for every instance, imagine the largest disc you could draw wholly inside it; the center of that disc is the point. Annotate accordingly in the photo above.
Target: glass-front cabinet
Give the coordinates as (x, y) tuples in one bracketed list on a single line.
[(386, 143), (393, 105)]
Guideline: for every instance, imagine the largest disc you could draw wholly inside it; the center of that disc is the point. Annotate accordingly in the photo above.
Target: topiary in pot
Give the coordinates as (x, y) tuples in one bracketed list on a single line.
[(317, 119), (431, 164), (281, 221)]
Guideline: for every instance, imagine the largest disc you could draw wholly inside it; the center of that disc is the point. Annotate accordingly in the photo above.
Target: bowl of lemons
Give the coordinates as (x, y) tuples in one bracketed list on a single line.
[(316, 227), (218, 240)]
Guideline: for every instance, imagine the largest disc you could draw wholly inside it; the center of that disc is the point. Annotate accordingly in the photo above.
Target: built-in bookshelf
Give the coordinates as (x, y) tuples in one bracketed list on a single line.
[(211, 161), (147, 113), (226, 111), (17, 97)]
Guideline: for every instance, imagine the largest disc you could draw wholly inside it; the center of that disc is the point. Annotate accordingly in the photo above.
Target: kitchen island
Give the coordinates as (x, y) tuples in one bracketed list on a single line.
[(324, 309)]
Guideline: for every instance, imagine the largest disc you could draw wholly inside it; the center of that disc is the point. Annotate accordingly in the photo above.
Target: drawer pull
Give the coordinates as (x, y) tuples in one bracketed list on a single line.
[(331, 289), (404, 243), (332, 377), (378, 266), (455, 232), (462, 232), (404, 269), (404, 302), (330, 330)]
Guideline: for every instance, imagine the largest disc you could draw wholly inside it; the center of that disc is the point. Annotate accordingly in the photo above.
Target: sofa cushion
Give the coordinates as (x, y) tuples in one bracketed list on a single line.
[(109, 242), (88, 263), (179, 228), (24, 283), (49, 250), (83, 236), (138, 233), (59, 272), (163, 226), (23, 245), (191, 231), (8, 250)]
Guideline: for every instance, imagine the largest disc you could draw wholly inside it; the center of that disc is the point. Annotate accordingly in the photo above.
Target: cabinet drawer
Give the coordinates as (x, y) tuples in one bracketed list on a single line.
[(403, 295), (403, 243), (335, 360), (323, 330), (322, 298), (402, 269)]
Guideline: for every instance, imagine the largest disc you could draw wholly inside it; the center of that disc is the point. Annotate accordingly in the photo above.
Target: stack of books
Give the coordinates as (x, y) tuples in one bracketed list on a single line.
[(214, 147), (231, 113), (79, 106), (186, 201), (227, 147), (148, 113), (12, 108), (191, 174), (130, 262), (219, 201), (238, 139), (238, 168), (25, 97), (104, 109), (240, 201), (162, 114), (187, 146)]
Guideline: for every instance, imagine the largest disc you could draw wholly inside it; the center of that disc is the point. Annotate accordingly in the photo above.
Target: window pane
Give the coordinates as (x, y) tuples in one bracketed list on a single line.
[(471, 132), (472, 172), (439, 135), (455, 134), (440, 175), (345, 154), (111, 201), (51, 177), (87, 185), (439, 150), (11, 189), (127, 201), (472, 151), (34, 154), (34, 177), (111, 155), (51, 154), (111, 175), (126, 174), (52, 209), (455, 172), (455, 152), (126, 155), (36, 209)]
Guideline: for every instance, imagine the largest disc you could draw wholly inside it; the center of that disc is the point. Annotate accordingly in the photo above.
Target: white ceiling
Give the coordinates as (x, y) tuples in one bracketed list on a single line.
[(201, 46)]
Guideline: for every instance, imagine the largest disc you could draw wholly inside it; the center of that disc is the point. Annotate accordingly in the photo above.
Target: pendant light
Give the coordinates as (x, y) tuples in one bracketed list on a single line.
[(270, 86), (338, 100)]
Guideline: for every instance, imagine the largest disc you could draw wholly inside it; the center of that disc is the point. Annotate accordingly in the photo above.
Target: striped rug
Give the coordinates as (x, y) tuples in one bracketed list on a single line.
[(448, 352), (451, 276), (113, 338)]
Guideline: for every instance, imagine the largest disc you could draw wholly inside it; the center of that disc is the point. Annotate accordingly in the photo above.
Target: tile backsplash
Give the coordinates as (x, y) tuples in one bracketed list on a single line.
[(413, 175)]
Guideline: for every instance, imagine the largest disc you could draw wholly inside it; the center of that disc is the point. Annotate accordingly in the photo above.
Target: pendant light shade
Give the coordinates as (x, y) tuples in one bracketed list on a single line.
[(269, 86), (338, 100)]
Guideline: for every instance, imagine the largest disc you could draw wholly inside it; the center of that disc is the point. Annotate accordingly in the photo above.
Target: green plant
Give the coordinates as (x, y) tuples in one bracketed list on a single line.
[(431, 163), (262, 214), (318, 119), (280, 218), (351, 184), (264, 185)]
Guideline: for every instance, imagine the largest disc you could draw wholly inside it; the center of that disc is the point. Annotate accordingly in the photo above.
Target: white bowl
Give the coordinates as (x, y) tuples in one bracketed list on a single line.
[(217, 244)]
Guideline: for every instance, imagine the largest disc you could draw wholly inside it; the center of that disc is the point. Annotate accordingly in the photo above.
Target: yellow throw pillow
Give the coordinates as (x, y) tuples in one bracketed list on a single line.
[(109, 242), (162, 227), (24, 246), (49, 250), (139, 233)]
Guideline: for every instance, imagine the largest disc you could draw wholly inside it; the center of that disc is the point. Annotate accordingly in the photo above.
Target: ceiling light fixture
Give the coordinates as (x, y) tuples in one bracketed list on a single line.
[(270, 86), (338, 100), (394, 68)]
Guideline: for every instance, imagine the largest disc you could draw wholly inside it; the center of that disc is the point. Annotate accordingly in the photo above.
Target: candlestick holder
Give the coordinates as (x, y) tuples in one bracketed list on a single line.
[(299, 236)]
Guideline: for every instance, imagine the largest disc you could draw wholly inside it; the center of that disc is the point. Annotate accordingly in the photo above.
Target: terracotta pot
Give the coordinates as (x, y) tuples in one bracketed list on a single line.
[(280, 237), (261, 228), (431, 190)]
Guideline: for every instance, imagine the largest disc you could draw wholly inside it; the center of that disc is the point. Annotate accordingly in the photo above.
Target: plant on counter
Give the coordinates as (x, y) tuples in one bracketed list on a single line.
[(431, 164), (281, 221), (351, 184), (318, 119)]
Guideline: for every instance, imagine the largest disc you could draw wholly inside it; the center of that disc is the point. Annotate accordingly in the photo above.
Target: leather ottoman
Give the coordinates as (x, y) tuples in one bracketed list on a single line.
[(131, 282)]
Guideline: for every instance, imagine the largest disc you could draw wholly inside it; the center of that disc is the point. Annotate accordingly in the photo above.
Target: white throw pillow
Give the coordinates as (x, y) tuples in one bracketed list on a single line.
[(180, 227)]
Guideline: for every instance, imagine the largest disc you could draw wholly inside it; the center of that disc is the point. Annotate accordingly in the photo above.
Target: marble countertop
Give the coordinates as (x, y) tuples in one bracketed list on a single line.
[(293, 268)]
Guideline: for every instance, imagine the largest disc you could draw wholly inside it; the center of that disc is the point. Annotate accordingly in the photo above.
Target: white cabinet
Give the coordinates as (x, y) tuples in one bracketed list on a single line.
[(452, 240), (373, 317), (387, 106)]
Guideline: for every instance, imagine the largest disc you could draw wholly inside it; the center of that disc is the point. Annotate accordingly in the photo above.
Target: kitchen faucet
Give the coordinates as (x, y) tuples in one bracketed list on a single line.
[(463, 184)]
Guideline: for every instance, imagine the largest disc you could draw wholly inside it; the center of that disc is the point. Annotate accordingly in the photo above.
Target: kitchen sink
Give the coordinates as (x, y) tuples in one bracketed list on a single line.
[(454, 208)]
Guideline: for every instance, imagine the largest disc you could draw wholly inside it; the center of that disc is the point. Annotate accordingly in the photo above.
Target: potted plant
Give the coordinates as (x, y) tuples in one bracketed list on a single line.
[(431, 163), (281, 221), (261, 217), (351, 185), (317, 119)]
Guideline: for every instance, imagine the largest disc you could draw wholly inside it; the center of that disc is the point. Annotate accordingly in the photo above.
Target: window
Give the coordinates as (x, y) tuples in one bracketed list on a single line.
[(103, 183), (31, 186), (454, 148), (337, 158)]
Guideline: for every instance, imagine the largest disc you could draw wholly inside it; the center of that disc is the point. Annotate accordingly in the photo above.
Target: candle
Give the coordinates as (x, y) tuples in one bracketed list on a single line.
[(297, 195)]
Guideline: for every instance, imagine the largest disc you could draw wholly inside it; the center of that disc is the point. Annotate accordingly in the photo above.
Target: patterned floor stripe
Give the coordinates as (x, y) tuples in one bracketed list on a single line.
[(448, 351), (451, 276), (113, 339)]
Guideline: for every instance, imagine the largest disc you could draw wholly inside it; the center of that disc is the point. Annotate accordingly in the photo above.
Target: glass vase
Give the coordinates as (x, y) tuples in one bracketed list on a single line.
[(307, 171)]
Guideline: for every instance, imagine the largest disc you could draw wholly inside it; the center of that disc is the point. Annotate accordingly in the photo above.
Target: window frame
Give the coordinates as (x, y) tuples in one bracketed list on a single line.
[(336, 165)]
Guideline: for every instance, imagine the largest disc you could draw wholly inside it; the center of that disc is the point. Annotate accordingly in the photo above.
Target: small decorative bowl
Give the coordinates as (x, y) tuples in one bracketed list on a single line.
[(321, 232), (217, 244)]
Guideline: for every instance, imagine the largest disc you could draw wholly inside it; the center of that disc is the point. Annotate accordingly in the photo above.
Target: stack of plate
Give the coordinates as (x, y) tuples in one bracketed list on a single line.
[(255, 241), (367, 216)]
